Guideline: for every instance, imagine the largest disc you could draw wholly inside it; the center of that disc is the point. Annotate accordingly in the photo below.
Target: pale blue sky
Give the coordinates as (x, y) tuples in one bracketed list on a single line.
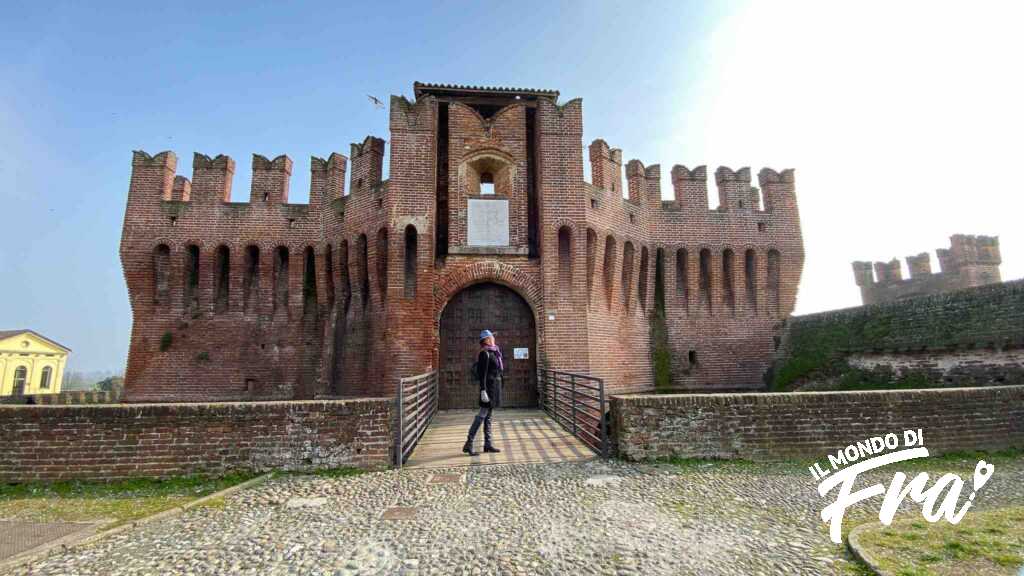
[(888, 114)]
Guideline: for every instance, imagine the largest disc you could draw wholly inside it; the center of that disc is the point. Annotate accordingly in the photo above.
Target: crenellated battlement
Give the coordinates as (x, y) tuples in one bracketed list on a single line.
[(969, 261), (776, 193)]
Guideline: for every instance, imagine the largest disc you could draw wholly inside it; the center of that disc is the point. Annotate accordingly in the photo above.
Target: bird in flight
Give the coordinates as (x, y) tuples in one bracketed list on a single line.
[(376, 102)]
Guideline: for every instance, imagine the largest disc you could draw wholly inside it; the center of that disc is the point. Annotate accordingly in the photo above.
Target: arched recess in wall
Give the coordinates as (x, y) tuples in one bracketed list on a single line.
[(191, 275), (644, 267), (683, 277), (344, 282), (627, 273), (750, 276), (382, 263), (728, 279), (251, 278), (705, 279), (565, 263), (609, 268), (161, 271), (280, 284), (363, 268), (222, 285), (591, 260), (659, 280), (329, 275), (411, 258), (309, 296), (774, 272)]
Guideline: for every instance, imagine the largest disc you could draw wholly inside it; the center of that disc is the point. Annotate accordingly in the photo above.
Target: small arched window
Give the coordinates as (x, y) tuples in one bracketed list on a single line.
[(46, 378), (486, 184), (20, 376)]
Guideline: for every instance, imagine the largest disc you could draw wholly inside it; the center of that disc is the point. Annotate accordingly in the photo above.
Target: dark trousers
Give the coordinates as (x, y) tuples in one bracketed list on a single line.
[(483, 417)]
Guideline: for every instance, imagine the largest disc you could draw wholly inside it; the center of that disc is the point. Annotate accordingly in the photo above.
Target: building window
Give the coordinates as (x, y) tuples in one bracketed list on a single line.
[(47, 376), (20, 375), (691, 357), (486, 184)]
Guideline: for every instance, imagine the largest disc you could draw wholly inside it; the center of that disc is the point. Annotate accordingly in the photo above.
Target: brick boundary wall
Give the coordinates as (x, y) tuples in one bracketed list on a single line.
[(810, 425), (111, 442)]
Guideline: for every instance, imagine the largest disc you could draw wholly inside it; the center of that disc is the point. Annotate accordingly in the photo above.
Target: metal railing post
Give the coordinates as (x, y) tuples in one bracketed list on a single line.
[(604, 426), (572, 379), (399, 440)]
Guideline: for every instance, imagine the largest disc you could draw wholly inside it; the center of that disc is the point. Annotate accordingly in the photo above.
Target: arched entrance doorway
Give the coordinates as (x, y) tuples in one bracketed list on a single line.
[(499, 309)]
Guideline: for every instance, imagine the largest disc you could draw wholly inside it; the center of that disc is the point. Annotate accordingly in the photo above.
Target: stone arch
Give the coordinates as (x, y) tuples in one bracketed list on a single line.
[(524, 284)]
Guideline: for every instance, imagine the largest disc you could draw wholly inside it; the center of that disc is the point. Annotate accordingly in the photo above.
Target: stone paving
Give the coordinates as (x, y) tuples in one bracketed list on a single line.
[(592, 517)]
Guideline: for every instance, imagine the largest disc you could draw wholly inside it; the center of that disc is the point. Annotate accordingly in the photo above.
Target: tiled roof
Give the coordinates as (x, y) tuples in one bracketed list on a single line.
[(9, 333), (421, 87)]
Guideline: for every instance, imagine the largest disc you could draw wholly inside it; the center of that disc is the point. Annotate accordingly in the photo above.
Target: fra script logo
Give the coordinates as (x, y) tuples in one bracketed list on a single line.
[(844, 467)]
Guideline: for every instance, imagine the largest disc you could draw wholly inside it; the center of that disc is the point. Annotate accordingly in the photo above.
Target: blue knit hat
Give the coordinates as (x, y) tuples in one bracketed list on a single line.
[(486, 334)]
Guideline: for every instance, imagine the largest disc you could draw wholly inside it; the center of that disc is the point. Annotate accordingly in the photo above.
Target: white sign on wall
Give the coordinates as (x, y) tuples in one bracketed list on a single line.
[(521, 353), (487, 222)]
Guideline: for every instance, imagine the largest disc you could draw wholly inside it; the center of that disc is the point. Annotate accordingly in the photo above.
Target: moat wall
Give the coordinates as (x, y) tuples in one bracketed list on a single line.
[(111, 442), (810, 425), (972, 337)]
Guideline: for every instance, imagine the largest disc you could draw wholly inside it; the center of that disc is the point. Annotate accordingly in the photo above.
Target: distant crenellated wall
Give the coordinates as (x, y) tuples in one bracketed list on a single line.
[(969, 261)]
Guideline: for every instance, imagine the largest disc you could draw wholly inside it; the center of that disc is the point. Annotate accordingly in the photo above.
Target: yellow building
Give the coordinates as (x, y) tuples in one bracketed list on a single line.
[(30, 363)]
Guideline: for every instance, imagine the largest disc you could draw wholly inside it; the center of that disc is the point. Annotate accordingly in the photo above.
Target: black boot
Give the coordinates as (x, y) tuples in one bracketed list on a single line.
[(467, 448), (488, 445)]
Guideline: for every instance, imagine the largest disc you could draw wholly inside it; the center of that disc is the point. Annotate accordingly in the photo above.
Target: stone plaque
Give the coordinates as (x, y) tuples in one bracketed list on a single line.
[(521, 353), (487, 222)]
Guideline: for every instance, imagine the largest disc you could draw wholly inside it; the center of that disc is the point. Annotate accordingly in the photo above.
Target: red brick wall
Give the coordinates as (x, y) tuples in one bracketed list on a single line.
[(109, 442), (810, 425)]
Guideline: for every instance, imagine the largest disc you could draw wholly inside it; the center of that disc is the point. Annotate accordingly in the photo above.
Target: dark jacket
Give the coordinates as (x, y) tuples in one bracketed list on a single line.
[(488, 376)]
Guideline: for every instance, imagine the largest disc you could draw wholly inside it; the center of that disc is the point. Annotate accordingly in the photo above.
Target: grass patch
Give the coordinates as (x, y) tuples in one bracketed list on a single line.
[(121, 502), (343, 472), (984, 543)]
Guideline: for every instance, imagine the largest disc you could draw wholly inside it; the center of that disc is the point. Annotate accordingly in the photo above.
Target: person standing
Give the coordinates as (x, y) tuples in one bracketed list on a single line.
[(489, 368)]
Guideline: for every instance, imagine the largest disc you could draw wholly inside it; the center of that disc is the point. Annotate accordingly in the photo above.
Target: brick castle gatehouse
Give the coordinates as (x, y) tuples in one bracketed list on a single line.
[(485, 221)]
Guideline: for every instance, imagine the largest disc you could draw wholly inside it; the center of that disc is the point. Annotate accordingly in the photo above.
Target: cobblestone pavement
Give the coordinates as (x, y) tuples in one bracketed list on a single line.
[(589, 517)]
